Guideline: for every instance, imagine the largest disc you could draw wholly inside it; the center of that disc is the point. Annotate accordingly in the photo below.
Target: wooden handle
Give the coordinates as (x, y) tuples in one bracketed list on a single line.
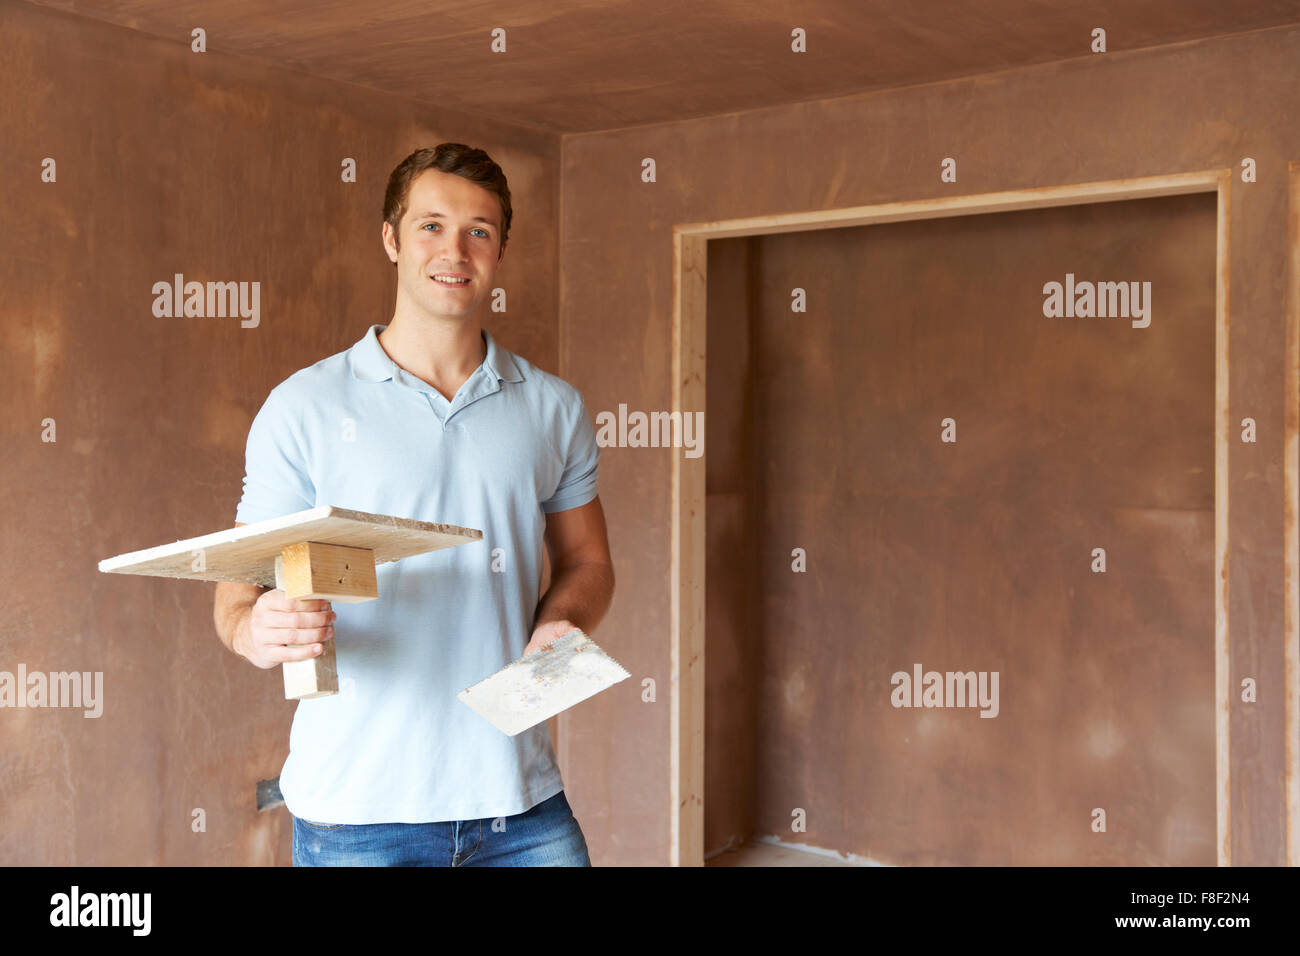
[(311, 571)]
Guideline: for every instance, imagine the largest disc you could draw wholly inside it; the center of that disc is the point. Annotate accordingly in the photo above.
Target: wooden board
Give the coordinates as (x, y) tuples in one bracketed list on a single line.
[(248, 553)]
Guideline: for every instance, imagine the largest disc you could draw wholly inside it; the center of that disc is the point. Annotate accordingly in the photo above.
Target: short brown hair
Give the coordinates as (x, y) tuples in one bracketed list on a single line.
[(456, 158)]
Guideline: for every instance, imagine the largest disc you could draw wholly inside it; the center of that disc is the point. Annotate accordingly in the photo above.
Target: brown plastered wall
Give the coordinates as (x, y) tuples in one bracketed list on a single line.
[(735, 442), (223, 169), (976, 555), (1114, 116)]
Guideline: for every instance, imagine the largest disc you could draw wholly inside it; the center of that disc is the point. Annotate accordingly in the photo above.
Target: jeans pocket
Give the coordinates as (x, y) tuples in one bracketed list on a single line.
[(316, 825)]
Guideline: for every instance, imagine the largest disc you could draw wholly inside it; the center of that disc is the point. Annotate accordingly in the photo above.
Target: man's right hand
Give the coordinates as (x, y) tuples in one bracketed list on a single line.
[(280, 628)]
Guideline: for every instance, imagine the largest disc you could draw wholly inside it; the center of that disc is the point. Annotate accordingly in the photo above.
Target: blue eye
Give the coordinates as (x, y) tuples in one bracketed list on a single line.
[(484, 231)]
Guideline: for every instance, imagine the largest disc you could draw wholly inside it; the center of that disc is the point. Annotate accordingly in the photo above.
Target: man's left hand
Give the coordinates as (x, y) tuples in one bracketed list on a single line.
[(545, 633)]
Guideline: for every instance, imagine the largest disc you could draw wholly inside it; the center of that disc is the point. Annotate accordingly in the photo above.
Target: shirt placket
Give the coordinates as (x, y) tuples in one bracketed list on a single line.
[(479, 385)]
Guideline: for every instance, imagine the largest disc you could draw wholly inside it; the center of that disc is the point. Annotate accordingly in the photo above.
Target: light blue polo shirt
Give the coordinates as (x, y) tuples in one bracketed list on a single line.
[(356, 431)]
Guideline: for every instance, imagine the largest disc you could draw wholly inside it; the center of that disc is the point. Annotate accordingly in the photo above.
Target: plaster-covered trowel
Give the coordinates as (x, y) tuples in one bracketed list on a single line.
[(540, 685)]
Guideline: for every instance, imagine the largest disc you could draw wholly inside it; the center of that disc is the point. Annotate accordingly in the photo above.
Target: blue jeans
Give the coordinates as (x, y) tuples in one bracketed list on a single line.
[(546, 835)]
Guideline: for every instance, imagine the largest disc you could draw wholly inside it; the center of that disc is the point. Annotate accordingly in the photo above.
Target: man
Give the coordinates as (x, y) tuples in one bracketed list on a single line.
[(429, 418)]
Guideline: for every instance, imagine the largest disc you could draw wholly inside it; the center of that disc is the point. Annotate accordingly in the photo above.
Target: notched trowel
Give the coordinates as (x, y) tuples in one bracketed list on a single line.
[(536, 687)]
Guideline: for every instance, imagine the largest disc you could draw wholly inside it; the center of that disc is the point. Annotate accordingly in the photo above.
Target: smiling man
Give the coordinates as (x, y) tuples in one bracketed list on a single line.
[(428, 417)]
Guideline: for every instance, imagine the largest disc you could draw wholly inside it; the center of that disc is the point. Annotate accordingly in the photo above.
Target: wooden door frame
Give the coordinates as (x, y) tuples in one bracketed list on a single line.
[(1291, 521), (687, 583)]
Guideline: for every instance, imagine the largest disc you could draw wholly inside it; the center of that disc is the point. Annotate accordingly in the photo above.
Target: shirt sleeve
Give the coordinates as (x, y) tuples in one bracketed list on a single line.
[(276, 478), (582, 460)]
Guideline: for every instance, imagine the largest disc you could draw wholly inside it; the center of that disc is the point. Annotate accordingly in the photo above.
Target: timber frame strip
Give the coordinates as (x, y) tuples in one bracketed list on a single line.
[(1291, 521)]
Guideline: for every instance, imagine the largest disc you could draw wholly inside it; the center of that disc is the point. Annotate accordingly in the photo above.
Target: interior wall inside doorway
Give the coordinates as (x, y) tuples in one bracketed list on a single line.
[(1072, 434)]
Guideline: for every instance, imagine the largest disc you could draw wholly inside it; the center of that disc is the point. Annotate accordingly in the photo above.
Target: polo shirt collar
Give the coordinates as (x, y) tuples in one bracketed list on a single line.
[(371, 363), (499, 362)]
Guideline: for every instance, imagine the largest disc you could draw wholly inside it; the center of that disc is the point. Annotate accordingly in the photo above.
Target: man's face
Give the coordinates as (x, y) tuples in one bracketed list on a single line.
[(451, 227)]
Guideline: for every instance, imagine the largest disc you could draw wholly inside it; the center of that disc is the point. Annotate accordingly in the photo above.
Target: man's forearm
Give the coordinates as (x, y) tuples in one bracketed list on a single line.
[(232, 607), (580, 593)]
